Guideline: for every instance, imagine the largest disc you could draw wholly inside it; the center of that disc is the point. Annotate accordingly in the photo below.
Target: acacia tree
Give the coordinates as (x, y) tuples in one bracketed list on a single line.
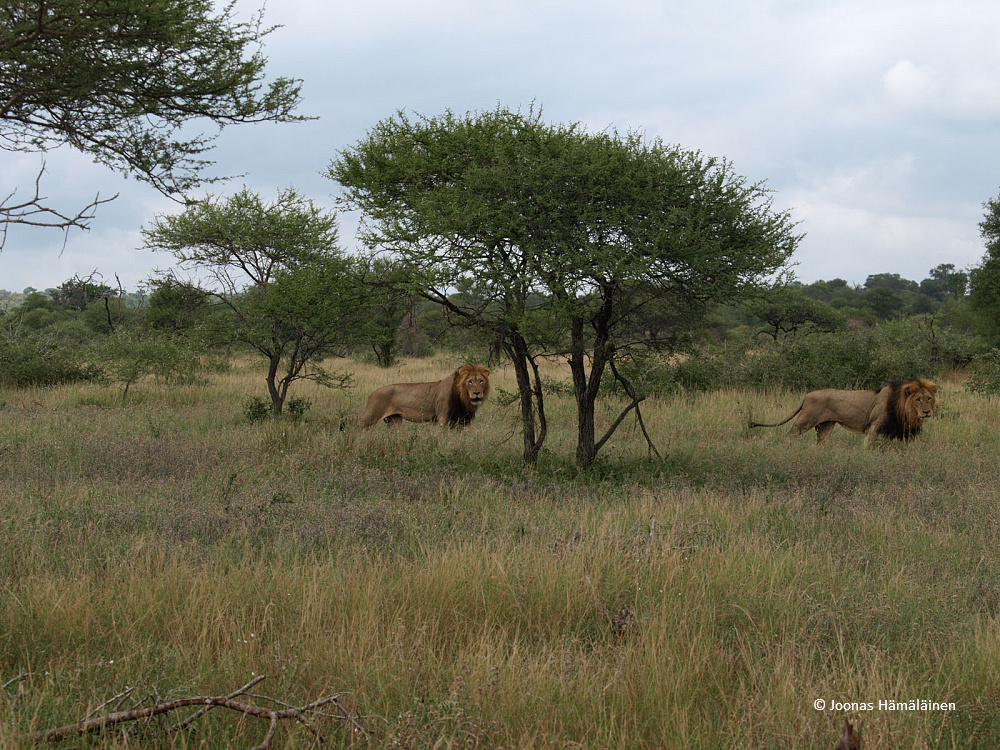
[(292, 295), (122, 82), (787, 310), (440, 194), (567, 235)]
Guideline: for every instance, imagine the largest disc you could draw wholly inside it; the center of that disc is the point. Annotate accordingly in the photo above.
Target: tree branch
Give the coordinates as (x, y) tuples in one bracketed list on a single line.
[(273, 716), (636, 400), (33, 212)]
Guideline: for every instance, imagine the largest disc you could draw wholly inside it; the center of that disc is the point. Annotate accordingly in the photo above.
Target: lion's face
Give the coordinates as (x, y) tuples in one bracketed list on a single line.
[(474, 384), (921, 403)]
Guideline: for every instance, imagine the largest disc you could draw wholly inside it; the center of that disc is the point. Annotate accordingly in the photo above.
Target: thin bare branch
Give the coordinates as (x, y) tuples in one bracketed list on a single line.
[(636, 400), (207, 703), (122, 695), (198, 714), (33, 211)]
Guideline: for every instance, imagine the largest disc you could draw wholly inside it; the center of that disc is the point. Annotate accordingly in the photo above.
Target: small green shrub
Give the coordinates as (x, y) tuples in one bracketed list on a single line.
[(985, 375), (296, 407), (256, 409)]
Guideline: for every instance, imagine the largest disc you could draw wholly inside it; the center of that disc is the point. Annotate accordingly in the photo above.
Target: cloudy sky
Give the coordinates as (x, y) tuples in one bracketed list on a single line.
[(877, 124)]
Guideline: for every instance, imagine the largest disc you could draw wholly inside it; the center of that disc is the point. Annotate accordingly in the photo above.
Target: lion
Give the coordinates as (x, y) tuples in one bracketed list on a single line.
[(451, 401), (896, 411), (851, 738)]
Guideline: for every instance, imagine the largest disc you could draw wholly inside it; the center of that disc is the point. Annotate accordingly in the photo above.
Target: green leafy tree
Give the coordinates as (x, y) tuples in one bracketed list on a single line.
[(884, 301), (79, 292), (276, 268), (836, 292), (892, 281), (128, 354), (175, 305), (36, 312), (787, 310), (984, 280), (564, 235), (389, 302), (945, 283), (125, 83)]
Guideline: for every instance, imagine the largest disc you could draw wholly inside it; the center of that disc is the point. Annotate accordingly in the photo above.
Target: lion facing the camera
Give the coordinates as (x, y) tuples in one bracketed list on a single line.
[(451, 401), (896, 411)]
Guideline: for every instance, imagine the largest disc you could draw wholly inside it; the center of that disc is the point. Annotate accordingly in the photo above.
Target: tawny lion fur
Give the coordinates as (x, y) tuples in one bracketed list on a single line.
[(451, 401), (896, 411), (851, 738)]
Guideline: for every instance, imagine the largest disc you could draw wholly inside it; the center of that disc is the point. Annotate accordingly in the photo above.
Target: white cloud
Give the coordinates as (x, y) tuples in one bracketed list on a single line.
[(910, 84), (961, 95), (864, 221)]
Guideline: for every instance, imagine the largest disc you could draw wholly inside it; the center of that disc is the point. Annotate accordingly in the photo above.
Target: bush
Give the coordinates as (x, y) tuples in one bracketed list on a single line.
[(256, 409), (128, 355), (31, 360), (985, 376), (296, 407), (858, 358)]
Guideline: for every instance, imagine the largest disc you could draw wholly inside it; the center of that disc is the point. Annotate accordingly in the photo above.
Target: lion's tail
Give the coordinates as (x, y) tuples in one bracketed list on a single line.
[(778, 424)]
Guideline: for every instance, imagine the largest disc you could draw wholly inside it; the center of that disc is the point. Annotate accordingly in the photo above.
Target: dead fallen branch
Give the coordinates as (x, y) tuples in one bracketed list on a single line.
[(301, 714)]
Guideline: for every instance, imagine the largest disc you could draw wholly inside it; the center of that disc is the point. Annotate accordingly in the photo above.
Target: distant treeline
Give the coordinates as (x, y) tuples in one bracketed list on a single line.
[(825, 333), (72, 294), (882, 296)]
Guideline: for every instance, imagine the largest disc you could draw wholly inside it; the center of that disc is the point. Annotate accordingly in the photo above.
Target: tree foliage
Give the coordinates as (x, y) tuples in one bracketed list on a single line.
[(276, 268), (984, 281), (78, 292), (565, 235), (787, 310), (124, 82)]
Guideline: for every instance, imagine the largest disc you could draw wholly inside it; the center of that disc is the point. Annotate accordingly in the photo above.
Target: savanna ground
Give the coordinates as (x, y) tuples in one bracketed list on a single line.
[(451, 598)]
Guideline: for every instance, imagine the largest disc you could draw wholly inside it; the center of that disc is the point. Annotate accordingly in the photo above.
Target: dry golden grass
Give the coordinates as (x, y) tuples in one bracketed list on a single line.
[(455, 598)]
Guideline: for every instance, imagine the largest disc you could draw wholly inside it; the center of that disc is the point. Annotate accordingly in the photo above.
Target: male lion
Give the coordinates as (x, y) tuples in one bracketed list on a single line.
[(452, 401), (897, 411)]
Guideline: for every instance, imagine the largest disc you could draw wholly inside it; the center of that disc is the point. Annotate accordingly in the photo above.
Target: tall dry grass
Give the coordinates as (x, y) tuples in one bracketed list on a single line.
[(704, 599)]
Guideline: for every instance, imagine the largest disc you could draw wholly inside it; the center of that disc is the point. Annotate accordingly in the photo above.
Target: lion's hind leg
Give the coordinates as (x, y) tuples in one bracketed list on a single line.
[(803, 424), (370, 420), (823, 430)]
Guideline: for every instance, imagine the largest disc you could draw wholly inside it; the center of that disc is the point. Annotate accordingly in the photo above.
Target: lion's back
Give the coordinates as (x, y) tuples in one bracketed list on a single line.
[(415, 402), (852, 409)]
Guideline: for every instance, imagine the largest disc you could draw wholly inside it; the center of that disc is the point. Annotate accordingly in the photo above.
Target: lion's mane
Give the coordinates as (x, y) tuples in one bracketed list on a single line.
[(896, 411), (451, 401), (901, 419)]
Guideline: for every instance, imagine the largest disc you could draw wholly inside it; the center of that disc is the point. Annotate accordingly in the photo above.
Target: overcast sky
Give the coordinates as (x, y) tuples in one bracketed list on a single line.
[(877, 124)]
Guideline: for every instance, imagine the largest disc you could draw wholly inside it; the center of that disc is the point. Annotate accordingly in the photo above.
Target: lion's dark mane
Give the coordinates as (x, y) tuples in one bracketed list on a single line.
[(459, 415), (896, 426)]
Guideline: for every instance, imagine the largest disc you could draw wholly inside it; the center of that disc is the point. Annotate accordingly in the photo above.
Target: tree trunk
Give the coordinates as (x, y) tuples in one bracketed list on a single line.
[(530, 398), (277, 394), (586, 450), (384, 355), (586, 445), (585, 389)]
